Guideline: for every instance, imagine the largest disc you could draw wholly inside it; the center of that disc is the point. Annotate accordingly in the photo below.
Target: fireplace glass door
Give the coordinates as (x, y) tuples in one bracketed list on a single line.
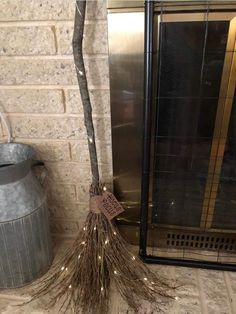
[(194, 154)]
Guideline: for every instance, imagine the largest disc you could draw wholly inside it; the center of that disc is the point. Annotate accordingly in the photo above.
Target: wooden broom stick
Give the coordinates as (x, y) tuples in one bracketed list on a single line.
[(77, 44)]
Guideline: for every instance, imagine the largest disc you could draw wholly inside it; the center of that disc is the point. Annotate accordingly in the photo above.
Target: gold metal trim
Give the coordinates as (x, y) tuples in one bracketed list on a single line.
[(225, 102), (186, 229), (194, 17), (171, 5)]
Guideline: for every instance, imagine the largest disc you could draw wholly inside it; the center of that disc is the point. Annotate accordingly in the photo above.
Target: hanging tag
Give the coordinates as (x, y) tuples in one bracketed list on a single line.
[(110, 207)]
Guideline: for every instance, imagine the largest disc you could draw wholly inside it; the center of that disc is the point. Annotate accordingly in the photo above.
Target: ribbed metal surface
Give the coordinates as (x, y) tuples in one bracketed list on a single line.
[(25, 243), (26, 251)]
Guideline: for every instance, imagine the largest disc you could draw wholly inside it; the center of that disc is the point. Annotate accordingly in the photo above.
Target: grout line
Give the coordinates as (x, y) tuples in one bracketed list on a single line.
[(64, 236), (202, 297), (54, 57), (231, 300), (53, 115), (54, 31), (36, 23), (55, 140), (49, 140), (57, 87), (63, 96), (70, 153)]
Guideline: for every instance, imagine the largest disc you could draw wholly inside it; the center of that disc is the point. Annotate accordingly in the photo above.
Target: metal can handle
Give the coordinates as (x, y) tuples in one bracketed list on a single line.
[(7, 126), (43, 175)]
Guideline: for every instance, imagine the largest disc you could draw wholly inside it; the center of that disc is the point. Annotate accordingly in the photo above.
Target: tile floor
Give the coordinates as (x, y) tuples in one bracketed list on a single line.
[(201, 291)]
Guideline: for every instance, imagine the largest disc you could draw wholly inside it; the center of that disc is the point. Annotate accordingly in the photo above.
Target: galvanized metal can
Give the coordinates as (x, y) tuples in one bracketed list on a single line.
[(25, 242)]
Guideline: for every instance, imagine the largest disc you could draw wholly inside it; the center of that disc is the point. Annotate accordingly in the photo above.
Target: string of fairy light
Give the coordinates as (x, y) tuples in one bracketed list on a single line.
[(63, 268), (115, 272)]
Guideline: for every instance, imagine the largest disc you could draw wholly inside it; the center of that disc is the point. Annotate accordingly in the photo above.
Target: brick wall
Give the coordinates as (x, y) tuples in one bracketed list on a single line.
[(39, 93)]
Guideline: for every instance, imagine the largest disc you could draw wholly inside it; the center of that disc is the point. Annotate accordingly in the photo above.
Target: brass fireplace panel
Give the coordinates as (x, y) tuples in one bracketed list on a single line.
[(190, 244), (126, 32), (226, 95), (171, 5)]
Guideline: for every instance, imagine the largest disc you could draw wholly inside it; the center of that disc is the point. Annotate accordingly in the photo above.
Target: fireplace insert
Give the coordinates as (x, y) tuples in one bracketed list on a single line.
[(174, 128)]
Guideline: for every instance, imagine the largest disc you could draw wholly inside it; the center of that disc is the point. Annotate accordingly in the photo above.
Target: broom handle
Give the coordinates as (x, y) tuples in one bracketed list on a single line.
[(77, 44)]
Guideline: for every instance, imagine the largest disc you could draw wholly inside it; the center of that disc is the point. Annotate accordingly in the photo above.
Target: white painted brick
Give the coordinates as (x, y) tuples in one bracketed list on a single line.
[(96, 10), (82, 192), (44, 127), (64, 226), (95, 38), (50, 151), (27, 40), (53, 72), (12, 10), (37, 114), (68, 172), (80, 152), (32, 101), (77, 212), (59, 193), (100, 101)]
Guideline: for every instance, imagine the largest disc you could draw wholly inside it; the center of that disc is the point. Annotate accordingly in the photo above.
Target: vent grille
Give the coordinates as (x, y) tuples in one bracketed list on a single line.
[(205, 242)]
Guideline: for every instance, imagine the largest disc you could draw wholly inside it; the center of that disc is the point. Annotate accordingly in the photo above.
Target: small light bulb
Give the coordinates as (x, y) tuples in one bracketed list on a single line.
[(99, 257), (84, 228), (102, 288), (104, 188), (66, 268), (94, 228), (70, 286), (90, 140), (176, 298), (83, 243), (62, 268), (145, 278), (106, 241), (115, 272), (81, 73), (133, 258), (114, 233), (79, 257), (153, 283), (172, 203)]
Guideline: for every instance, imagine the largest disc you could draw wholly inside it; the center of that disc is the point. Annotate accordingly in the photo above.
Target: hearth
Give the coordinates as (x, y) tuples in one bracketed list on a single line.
[(192, 177)]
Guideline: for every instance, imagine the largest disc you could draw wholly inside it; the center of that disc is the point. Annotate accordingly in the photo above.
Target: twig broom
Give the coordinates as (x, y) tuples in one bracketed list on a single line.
[(81, 279)]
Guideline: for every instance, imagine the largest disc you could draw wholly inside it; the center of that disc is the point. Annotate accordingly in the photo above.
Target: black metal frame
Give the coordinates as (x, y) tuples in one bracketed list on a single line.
[(146, 149)]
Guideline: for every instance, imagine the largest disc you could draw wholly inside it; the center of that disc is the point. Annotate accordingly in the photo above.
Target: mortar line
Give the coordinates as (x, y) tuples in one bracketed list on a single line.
[(35, 23), (231, 300), (50, 86), (53, 115), (54, 31), (64, 236), (202, 297), (70, 152), (51, 140), (42, 140), (54, 57), (64, 96)]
